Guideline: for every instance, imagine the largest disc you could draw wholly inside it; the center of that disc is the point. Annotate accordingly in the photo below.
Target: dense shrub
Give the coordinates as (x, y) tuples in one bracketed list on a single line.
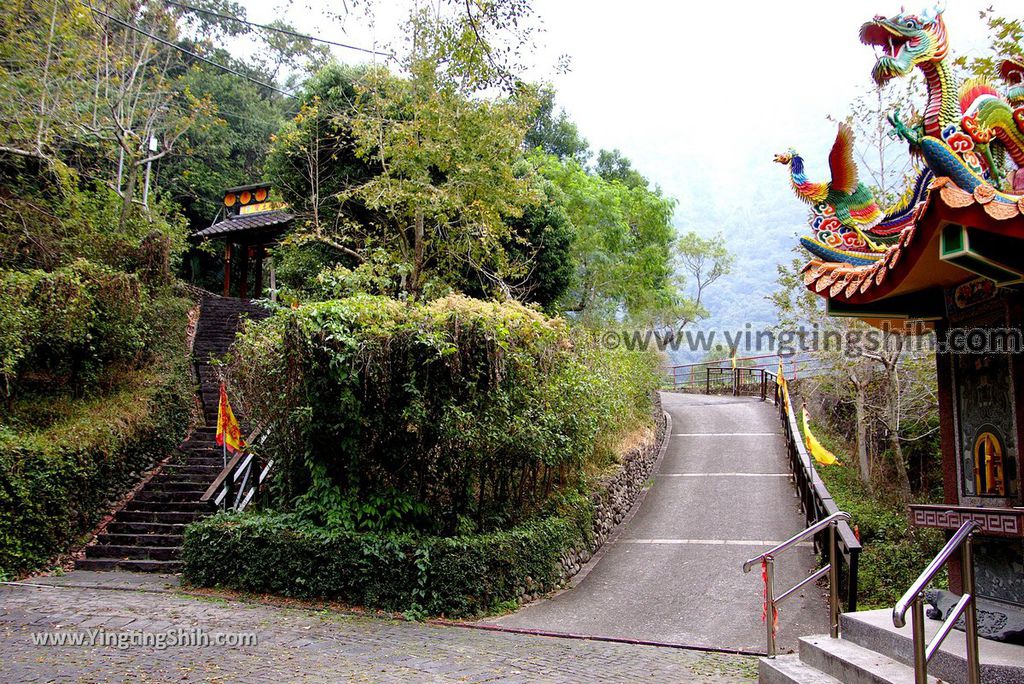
[(50, 216), (448, 417), (66, 326), (64, 458), (454, 576)]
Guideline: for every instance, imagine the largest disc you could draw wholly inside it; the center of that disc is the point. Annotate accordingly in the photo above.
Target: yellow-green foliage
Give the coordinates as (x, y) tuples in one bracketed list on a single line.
[(66, 326), (451, 416), (63, 458)]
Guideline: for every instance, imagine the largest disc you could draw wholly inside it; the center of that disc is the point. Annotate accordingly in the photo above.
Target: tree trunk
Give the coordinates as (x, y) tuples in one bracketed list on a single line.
[(863, 463), (129, 193), (892, 411)]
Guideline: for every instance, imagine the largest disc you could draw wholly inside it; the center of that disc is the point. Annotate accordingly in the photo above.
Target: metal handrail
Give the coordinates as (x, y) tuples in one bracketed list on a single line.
[(241, 479), (913, 601), (815, 499), (831, 569), (796, 538)]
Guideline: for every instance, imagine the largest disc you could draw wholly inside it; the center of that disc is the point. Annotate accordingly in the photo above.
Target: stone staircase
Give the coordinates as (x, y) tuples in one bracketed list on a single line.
[(146, 535), (871, 650)]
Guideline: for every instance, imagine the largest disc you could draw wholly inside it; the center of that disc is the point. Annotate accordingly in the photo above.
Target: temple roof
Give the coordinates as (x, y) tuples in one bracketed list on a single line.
[(235, 224), (955, 235)]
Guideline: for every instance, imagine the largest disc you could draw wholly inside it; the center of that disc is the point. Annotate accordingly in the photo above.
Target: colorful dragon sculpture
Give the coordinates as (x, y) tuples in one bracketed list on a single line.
[(1012, 71), (968, 133), (979, 125)]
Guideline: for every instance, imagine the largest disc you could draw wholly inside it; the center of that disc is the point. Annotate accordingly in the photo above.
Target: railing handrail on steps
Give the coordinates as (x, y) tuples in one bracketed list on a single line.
[(796, 538), (913, 601), (241, 479), (767, 559)]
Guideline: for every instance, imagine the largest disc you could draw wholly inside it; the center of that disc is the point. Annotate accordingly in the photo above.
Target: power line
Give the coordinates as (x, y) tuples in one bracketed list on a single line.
[(188, 52), (278, 29)]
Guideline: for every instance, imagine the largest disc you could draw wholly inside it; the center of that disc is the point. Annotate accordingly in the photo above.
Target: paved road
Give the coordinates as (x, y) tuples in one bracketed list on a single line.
[(673, 574), (299, 645)]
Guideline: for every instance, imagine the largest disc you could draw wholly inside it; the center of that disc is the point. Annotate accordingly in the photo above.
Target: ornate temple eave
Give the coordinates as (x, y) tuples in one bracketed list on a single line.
[(904, 282)]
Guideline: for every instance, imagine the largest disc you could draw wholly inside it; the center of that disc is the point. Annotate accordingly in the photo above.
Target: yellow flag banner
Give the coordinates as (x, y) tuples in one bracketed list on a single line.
[(229, 432), (820, 453), (783, 389)]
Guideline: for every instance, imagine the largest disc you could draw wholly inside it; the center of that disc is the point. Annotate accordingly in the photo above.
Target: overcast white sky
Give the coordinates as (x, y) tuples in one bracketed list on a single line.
[(699, 95)]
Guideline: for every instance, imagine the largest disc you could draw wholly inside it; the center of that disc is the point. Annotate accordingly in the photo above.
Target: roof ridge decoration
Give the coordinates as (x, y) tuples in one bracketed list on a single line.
[(856, 244)]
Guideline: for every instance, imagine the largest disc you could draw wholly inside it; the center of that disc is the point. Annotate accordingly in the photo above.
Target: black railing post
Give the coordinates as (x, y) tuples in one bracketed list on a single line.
[(851, 581), (707, 380)]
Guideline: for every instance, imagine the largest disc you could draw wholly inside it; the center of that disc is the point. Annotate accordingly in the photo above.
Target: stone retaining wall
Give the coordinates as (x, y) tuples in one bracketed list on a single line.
[(615, 494)]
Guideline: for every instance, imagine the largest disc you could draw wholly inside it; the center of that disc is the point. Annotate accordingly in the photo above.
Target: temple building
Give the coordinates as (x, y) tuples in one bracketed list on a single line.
[(249, 223), (948, 258)]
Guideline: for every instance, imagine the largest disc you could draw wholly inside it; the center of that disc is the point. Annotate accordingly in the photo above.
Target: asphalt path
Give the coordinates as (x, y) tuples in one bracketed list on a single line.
[(673, 572)]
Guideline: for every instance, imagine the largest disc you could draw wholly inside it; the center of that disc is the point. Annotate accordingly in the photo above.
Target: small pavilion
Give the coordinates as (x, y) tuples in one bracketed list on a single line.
[(249, 223)]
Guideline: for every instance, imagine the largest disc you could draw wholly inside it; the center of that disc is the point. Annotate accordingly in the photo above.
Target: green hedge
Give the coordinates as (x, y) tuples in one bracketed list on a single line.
[(452, 576), (66, 326), (63, 458), (453, 416)]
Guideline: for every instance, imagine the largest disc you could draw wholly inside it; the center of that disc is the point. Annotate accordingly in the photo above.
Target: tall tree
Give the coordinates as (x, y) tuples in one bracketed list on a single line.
[(421, 166), (555, 133)]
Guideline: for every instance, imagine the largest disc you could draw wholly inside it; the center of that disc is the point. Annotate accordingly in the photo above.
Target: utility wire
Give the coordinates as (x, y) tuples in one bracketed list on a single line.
[(278, 29), (188, 52)]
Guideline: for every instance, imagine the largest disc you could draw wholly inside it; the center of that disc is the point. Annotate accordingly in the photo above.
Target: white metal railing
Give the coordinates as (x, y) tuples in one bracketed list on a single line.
[(241, 479)]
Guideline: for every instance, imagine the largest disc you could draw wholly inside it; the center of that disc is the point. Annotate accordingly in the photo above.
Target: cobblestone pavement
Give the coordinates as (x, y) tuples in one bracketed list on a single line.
[(300, 644)]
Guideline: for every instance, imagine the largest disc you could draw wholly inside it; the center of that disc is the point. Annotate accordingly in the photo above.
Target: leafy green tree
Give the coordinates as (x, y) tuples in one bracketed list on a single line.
[(421, 167), (629, 261), (613, 166), (555, 134), (230, 149)]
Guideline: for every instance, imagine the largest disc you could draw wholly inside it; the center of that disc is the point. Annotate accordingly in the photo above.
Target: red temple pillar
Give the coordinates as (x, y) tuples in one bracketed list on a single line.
[(227, 268)]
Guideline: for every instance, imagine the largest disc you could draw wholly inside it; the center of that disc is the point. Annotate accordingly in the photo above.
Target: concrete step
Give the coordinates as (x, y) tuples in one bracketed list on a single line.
[(208, 461), (130, 565), (137, 505), (789, 669), (114, 539), (159, 553), (147, 534), (192, 446), (193, 470), (128, 529), (176, 483), (181, 479), (873, 629), (853, 664), (163, 517), (153, 495)]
